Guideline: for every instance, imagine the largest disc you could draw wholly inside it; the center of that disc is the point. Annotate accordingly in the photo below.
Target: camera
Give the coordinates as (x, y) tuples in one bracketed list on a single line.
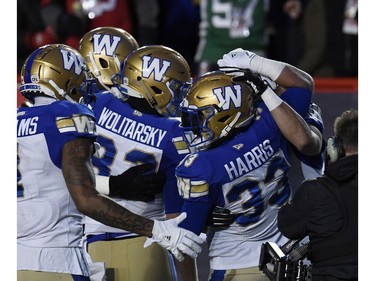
[(285, 263)]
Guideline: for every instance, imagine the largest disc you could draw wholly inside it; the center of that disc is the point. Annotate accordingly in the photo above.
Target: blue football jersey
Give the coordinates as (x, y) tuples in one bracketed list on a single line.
[(246, 174)]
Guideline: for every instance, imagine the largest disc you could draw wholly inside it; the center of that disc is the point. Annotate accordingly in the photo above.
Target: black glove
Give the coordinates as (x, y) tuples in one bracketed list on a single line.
[(257, 84), (221, 218), (135, 184)]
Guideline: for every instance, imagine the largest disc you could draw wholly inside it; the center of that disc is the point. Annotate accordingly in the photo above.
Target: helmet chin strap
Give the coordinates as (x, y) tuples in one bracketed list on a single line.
[(229, 127), (116, 92), (130, 91), (60, 91), (151, 100), (96, 70), (117, 61), (97, 73)]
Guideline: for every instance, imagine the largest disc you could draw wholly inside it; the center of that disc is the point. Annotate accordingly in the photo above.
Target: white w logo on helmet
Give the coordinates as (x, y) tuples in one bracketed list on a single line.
[(157, 66), (227, 95), (69, 59), (107, 42)]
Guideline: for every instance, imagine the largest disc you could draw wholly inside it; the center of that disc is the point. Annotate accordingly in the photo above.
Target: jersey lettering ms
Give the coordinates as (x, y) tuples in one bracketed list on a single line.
[(27, 126)]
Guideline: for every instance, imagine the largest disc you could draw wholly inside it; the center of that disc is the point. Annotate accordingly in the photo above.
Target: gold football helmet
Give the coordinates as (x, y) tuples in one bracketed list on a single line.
[(213, 108), (54, 70), (104, 49), (158, 74)]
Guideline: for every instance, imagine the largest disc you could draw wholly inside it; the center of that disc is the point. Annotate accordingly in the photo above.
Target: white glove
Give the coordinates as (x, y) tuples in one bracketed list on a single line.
[(177, 240), (241, 59), (238, 58)]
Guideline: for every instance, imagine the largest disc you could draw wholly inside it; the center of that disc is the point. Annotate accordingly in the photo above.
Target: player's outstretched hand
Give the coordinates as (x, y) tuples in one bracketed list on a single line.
[(236, 59), (177, 240), (137, 183)]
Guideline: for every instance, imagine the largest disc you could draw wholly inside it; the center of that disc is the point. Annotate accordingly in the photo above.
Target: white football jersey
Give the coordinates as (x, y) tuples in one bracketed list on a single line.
[(127, 138), (49, 226)]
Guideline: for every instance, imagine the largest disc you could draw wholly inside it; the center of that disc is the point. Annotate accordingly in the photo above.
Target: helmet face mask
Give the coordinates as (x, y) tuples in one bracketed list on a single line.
[(157, 74), (196, 130), (179, 91), (213, 108), (56, 71), (104, 50)]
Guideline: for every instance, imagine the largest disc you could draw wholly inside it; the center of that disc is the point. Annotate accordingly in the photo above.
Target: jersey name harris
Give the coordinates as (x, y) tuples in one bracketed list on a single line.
[(130, 128), (250, 160)]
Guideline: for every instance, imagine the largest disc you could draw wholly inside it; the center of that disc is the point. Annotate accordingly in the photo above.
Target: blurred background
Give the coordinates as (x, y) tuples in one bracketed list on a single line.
[(318, 36)]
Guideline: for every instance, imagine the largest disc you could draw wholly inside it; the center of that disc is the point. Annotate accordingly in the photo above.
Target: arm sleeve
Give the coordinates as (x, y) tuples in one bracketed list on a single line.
[(193, 174), (299, 99), (172, 200), (197, 213)]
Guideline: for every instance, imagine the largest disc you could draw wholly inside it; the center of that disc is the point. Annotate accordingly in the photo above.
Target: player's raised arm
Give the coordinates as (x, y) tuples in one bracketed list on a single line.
[(291, 124)]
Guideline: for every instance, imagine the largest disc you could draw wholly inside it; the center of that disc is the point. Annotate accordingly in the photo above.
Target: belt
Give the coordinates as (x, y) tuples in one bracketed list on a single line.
[(108, 236)]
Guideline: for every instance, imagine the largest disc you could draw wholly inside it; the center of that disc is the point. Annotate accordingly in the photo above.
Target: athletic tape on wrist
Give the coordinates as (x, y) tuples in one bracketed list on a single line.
[(267, 67), (102, 184), (271, 99)]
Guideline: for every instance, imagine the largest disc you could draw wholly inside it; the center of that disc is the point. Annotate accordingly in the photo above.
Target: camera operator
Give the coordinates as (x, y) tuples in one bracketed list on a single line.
[(326, 208)]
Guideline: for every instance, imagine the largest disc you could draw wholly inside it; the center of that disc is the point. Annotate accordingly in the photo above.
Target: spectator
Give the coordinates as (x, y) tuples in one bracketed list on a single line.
[(312, 57), (320, 37), (227, 24), (179, 28), (111, 13), (32, 31), (44, 22), (284, 27), (350, 30), (61, 18), (146, 17)]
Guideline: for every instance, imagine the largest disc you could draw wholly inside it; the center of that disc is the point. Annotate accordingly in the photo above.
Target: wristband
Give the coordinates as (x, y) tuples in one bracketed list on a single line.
[(102, 184), (267, 67), (270, 99)]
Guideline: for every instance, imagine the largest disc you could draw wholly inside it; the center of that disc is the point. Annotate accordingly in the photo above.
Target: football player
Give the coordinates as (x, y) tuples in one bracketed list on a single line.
[(310, 159), (55, 176), (302, 166), (135, 124), (240, 130)]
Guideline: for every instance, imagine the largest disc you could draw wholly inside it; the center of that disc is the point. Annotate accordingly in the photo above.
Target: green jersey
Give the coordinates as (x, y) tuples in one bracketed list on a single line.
[(230, 24)]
